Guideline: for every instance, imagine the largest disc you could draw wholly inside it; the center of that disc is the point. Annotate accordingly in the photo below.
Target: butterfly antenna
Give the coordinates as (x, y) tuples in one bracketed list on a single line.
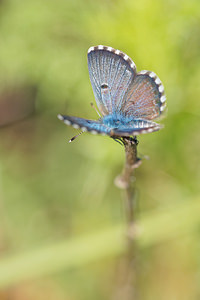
[(74, 137), (92, 104)]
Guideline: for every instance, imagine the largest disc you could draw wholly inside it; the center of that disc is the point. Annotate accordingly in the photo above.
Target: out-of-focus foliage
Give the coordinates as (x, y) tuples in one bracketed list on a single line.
[(51, 190)]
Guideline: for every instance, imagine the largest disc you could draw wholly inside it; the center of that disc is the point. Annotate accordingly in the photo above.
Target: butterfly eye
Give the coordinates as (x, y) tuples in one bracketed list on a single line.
[(104, 86)]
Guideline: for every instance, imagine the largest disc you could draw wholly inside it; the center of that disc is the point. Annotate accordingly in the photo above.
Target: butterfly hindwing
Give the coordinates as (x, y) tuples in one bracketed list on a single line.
[(136, 127), (145, 97), (111, 72)]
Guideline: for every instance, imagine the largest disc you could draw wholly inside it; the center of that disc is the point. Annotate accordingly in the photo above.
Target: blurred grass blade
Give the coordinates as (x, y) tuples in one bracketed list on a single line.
[(75, 253), (64, 255)]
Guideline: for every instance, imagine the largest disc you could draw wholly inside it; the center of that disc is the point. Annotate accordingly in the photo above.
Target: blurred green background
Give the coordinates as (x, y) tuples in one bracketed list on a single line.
[(52, 191)]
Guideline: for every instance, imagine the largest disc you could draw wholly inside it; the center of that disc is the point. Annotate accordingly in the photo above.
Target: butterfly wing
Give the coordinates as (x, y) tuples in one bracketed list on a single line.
[(94, 127), (145, 97), (111, 72), (135, 127)]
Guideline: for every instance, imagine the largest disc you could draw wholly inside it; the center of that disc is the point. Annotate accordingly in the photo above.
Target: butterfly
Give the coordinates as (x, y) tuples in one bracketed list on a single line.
[(127, 100)]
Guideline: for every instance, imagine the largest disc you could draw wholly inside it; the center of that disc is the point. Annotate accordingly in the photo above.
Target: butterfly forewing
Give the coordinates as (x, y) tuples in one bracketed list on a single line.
[(113, 69), (145, 97)]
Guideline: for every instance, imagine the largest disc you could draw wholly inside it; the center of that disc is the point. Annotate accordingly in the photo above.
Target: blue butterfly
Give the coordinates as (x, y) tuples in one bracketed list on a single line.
[(128, 100)]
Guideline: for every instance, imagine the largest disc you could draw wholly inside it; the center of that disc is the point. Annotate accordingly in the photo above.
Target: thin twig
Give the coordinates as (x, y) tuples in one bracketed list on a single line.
[(128, 290), (124, 180)]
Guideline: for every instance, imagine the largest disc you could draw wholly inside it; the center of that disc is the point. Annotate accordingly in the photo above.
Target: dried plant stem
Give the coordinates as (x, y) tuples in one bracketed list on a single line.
[(128, 290)]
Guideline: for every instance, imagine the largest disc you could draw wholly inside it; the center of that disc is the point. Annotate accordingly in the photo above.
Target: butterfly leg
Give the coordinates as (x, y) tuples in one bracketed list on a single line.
[(121, 141), (135, 140), (118, 140)]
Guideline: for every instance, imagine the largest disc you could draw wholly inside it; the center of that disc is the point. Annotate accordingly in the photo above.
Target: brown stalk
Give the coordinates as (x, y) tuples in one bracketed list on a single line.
[(127, 289)]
